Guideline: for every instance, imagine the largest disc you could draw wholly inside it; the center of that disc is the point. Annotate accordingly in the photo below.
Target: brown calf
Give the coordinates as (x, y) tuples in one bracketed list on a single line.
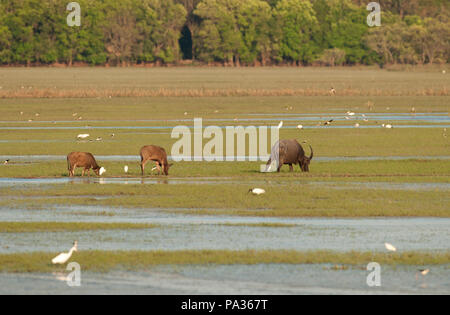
[(157, 154), (84, 160)]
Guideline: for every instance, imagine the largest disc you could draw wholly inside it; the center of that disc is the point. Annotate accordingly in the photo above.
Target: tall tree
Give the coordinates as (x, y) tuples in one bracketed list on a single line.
[(297, 21)]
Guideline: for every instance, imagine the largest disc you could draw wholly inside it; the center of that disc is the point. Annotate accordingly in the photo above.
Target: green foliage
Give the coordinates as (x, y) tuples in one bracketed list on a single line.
[(412, 41), (225, 31)]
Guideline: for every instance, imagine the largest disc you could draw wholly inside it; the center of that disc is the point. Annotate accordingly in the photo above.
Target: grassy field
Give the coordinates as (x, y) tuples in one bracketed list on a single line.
[(283, 199), (104, 261), (32, 227), (43, 110)]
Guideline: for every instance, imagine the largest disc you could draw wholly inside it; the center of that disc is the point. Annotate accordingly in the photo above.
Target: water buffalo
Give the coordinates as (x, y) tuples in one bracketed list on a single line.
[(290, 152), (84, 160), (157, 154)]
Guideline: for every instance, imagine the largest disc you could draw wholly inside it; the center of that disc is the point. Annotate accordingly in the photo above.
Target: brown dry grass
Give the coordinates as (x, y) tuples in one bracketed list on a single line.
[(163, 92)]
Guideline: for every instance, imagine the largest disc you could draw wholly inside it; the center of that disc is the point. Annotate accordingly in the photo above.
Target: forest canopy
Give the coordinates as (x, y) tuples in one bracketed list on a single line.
[(230, 32)]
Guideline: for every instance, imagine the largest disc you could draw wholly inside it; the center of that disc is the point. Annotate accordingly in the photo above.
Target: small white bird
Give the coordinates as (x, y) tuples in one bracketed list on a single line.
[(388, 126), (424, 272), (99, 139), (126, 168), (280, 125), (356, 125), (83, 136), (257, 191), (64, 257), (390, 247), (350, 113), (102, 171), (37, 114), (74, 114), (6, 162), (333, 91), (300, 127)]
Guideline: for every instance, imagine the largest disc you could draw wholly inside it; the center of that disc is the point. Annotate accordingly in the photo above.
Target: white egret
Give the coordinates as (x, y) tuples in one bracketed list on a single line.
[(356, 125), (351, 113), (390, 247), (257, 191), (280, 125), (83, 136), (64, 257), (99, 139), (102, 171), (126, 168), (300, 127), (424, 272), (388, 126)]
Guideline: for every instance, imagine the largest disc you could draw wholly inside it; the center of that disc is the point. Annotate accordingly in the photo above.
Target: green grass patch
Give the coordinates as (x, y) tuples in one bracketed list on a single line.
[(104, 261), (286, 199), (413, 170), (28, 227)]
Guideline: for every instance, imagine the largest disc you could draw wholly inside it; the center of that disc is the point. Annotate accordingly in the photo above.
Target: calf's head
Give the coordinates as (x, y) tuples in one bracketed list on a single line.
[(166, 168), (99, 171)]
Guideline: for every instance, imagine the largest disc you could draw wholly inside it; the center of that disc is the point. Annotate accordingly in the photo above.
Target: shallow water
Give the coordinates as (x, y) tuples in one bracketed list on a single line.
[(221, 127), (13, 182), (419, 117), (180, 231), (267, 279)]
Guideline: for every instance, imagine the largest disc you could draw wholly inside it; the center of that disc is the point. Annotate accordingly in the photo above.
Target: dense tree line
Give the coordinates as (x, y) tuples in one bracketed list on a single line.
[(233, 32)]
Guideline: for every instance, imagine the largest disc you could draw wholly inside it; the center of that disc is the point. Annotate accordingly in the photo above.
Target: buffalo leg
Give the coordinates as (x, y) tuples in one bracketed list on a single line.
[(291, 169), (72, 170), (143, 162)]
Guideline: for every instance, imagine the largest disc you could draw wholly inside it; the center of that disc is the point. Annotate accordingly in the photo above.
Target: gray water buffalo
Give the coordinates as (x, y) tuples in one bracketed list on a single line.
[(157, 154), (84, 160), (290, 152)]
